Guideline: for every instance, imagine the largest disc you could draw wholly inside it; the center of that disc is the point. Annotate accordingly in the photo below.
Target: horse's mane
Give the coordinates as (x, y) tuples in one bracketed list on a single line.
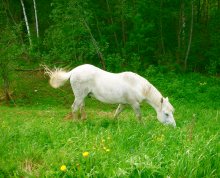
[(154, 96), (170, 106)]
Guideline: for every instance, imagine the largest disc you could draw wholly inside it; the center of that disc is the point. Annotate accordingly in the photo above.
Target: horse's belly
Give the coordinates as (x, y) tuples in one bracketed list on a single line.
[(116, 95), (109, 97), (112, 89)]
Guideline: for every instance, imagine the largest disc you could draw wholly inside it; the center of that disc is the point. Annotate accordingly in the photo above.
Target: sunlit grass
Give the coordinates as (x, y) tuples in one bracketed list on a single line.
[(36, 140)]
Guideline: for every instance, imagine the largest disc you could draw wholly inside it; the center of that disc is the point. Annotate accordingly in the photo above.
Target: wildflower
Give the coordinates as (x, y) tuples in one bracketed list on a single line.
[(187, 151), (78, 166), (63, 168), (85, 154), (103, 140), (160, 138), (202, 83), (107, 150)]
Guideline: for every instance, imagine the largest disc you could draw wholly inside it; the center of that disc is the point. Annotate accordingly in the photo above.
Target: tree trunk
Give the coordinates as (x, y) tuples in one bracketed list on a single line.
[(190, 38), (183, 26), (98, 29), (123, 23), (181, 33), (26, 22), (205, 9), (6, 84), (36, 19), (161, 29), (123, 30), (198, 11), (112, 23), (95, 44), (6, 87)]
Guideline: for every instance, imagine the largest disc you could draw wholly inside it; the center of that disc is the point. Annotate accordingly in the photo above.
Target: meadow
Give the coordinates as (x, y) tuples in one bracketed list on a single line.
[(37, 141)]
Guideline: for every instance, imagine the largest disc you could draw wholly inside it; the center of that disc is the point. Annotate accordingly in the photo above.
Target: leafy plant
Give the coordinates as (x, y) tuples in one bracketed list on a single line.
[(9, 51)]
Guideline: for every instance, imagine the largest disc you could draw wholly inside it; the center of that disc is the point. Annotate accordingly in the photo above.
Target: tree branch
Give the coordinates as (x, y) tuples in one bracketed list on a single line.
[(190, 39)]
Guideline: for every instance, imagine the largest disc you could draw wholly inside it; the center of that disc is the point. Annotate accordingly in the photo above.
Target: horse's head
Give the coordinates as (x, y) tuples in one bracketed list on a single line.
[(165, 114)]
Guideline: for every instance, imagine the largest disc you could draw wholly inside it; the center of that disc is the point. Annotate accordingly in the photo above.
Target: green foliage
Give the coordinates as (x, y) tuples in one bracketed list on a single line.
[(151, 32), (67, 39), (9, 52)]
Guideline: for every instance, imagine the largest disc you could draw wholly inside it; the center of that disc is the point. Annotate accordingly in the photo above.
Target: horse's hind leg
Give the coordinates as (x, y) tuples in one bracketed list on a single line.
[(78, 104), (119, 110), (82, 111), (137, 110)]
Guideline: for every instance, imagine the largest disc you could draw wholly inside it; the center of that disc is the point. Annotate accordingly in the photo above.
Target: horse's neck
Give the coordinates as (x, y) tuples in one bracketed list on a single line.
[(154, 98)]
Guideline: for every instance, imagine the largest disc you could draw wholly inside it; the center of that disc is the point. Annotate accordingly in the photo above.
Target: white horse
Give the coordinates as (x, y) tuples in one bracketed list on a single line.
[(121, 88)]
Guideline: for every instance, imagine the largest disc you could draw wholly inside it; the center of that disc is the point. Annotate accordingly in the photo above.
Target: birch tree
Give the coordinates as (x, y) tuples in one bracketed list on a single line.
[(26, 22), (36, 19)]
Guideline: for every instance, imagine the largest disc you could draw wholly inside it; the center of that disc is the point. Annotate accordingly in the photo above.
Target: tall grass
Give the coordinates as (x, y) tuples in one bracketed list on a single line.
[(36, 140)]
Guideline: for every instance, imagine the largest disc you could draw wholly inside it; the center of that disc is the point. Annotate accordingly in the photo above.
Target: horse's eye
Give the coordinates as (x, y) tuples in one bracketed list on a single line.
[(167, 114)]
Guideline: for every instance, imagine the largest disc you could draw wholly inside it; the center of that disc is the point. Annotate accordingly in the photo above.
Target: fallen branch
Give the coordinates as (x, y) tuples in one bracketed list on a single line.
[(29, 70)]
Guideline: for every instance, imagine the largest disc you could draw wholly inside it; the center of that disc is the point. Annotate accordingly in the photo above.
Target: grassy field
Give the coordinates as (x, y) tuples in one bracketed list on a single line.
[(36, 140)]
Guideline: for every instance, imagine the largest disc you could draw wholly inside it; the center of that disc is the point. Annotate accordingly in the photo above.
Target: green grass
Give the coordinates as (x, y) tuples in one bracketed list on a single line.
[(35, 140)]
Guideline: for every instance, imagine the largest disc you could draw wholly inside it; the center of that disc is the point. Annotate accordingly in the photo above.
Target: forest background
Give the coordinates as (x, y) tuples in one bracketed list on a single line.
[(114, 35)]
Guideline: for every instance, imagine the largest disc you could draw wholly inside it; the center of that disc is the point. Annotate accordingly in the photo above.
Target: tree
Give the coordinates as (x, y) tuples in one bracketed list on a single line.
[(190, 38), (131, 34), (9, 51), (36, 18), (26, 23)]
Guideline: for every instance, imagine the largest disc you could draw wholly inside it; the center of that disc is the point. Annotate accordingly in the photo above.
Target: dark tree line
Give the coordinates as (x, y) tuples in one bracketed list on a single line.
[(114, 34), (177, 35)]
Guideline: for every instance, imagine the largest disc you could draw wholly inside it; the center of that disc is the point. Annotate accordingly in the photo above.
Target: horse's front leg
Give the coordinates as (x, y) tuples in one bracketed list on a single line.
[(137, 110), (119, 110)]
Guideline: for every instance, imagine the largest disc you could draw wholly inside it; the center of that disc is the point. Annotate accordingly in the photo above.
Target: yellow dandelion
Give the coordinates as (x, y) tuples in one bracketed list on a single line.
[(160, 138), (63, 168), (85, 154)]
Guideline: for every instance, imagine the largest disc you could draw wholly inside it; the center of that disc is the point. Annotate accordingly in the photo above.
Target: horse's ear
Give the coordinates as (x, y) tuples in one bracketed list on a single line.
[(167, 98), (161, 100)]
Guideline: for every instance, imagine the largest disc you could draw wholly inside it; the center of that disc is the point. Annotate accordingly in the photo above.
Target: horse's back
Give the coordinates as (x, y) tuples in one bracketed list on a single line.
[(85, 68), (106, 86), (83, 73)]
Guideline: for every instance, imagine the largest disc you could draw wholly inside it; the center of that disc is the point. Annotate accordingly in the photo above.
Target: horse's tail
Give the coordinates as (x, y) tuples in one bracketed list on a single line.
[(57, 76)]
